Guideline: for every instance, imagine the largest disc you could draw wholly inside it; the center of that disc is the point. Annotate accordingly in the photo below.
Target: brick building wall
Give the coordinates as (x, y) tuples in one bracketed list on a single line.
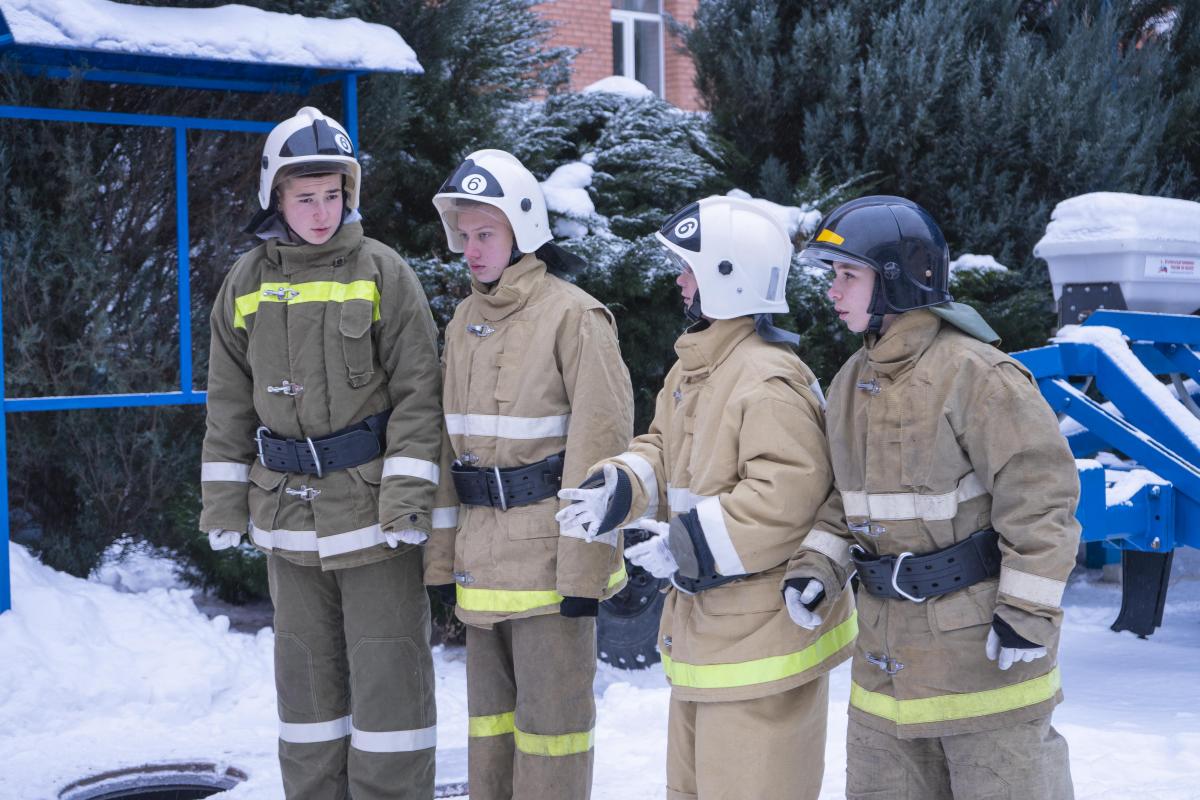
[(587, 25)]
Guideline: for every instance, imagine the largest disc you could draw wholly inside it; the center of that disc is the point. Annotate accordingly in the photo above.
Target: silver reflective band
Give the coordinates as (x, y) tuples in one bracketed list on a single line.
[(641, 467), (393, 741), (446, 517), (308, 542), (503, 427), (827, 544), (1032, 588), (910, 505), (224, 471), (683, 500), (312, 732), (712, 521), (402, 466)]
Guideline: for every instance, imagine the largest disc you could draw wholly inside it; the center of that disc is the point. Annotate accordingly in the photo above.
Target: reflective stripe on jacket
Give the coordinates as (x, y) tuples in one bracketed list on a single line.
[(532, 368), (936, 435), (738, 436), (308, 340)]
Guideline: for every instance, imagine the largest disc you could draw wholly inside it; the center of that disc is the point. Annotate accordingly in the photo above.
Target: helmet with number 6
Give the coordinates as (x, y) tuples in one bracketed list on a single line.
[(309, 143), (495, 178)]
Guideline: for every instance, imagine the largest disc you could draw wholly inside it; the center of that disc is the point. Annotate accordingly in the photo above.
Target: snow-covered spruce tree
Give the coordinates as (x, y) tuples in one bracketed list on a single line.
[(988, 112)]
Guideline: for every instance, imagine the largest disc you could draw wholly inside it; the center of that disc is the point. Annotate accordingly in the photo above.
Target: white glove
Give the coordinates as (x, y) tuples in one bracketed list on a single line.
[(1010, 655), (221, 539), (394, 538), (581, 518), (653, 555), (795, 604)]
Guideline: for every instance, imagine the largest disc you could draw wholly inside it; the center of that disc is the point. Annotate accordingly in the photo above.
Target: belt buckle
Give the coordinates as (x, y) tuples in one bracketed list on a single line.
[(312, 448), (258, 441), (896, 571), (499, 488)]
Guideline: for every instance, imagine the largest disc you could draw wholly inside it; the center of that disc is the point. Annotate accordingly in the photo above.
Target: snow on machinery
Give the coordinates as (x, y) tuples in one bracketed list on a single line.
[(1126, 275)]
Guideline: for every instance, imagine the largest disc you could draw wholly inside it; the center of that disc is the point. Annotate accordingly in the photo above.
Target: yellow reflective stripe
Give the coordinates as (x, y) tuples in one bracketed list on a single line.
[(957, 706), (565, 744), (517, 600), (494, 725), (761, 670), (311, 292), (829, 236)]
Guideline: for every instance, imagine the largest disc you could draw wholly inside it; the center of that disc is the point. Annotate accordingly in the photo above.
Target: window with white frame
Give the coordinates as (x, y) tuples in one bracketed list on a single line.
[(637, 30)]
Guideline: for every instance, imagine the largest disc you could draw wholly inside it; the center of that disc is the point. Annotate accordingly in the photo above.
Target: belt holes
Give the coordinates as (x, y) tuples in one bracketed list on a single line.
[(950, 560), (929, 566), (957, 579), (935, 586)]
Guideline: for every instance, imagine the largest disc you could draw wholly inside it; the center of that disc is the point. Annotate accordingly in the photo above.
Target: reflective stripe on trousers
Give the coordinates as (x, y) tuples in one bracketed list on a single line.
[(534, 744)]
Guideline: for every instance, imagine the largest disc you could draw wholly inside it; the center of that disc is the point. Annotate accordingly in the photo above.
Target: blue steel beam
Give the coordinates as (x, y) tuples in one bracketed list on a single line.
[(1147, 327), (134, 120), (350, 107), (170, 81), (183, 243), (5, 584), (137, 399)]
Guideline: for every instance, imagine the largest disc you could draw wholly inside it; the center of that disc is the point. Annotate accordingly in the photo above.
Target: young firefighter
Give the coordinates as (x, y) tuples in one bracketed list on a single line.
[(323, 435), (954, 500), (535, 392), (736, 459)]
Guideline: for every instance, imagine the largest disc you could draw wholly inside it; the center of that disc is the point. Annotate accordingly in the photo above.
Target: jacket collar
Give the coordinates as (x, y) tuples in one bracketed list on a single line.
[(898, 349), (293, 258), (701, 351), (509, 294)]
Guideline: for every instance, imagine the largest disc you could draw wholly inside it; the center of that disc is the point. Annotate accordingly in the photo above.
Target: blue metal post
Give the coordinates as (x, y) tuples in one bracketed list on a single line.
[(350, 107), (5, 583), (184, 245)]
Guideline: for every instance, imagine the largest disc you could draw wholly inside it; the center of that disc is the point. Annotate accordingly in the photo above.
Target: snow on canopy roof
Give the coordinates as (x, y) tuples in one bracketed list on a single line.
[(233, 33), (1115, 216)]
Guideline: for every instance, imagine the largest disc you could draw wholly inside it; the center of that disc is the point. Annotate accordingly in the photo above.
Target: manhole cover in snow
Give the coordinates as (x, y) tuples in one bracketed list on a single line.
[(189, 781)]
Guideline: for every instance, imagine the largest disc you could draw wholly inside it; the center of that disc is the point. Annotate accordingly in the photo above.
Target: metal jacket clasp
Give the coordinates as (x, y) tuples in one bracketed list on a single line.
[(481, 330), (286, 388), (885, 662), (305, 493), (283, 293), (871, 386)]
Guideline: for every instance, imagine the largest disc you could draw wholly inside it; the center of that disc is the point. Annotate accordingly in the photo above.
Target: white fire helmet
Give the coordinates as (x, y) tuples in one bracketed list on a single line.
[(739, 253), (309, 143), (495, 178)]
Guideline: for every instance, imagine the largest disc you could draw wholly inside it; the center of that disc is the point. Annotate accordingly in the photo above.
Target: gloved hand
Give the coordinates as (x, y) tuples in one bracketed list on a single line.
[(653, 555), (1009, 647), (581, 519), (220, 539), (447, 593), (579, 606), (394, 538), (802, 595)]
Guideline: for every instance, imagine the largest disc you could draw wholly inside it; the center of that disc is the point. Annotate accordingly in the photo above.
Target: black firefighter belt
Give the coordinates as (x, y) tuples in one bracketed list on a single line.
[(917, 578), (349, 447), (505, 487)]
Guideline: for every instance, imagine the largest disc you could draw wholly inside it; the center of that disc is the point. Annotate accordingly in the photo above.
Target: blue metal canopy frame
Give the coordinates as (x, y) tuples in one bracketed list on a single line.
[(187, 73)]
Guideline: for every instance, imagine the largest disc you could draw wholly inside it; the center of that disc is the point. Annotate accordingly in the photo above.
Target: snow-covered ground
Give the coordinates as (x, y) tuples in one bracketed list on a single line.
[(94, 679)]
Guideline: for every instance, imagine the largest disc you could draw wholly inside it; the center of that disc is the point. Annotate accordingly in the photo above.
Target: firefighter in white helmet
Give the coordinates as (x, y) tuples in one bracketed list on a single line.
[(323, 439), (535, 392), (954, 502), (728, 479)]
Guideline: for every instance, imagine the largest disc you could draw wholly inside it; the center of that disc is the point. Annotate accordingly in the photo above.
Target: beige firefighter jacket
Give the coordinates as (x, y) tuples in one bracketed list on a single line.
[(532, 368), (308, 340), (738, 435), (934, 436)]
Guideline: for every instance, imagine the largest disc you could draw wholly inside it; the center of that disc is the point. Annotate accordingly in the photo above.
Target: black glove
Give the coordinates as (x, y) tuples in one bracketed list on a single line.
[(799, 584), (579, 607), (1009, 637), (446, 593)]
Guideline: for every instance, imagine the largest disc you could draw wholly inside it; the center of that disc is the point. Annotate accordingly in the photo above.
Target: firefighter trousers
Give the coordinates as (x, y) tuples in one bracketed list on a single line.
[(1017, 762), (354, 679), (772, 746), (532, 712)]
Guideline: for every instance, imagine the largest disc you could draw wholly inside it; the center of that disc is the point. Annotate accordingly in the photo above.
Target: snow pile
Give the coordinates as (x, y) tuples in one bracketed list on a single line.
[(1114, 216), (795, 220), (619, 84), (226, 33), (135, 566), (1112, 342), (971, 262), (566, 194)]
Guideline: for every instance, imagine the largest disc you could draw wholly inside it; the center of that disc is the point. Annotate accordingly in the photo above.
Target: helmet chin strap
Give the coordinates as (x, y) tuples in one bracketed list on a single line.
[(878, 306), (515, 256), (693, 311)]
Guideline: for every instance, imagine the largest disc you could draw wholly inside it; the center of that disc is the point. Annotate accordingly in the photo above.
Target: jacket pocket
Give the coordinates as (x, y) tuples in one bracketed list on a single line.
[(366, 492), (534, 521), (265, 492), (974, 605), (355, 326), (757, 595)]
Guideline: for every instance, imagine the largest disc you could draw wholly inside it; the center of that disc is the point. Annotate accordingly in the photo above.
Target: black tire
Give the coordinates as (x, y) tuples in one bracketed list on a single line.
[(627, 627)]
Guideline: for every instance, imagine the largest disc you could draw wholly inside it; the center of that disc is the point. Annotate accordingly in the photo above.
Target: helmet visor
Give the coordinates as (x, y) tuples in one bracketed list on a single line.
[(817, 257), (677, 261)]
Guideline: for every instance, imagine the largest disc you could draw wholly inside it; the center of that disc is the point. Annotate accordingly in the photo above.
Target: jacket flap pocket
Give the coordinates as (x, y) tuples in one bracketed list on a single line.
[(372, 471), (974, 605), (264, 478), (757, 595), (356, 318)]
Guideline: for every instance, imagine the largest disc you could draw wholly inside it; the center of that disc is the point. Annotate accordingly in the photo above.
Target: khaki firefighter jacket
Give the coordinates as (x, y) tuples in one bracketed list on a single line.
[(532, 368), (308, 340), (934, 436), (738, 436)]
